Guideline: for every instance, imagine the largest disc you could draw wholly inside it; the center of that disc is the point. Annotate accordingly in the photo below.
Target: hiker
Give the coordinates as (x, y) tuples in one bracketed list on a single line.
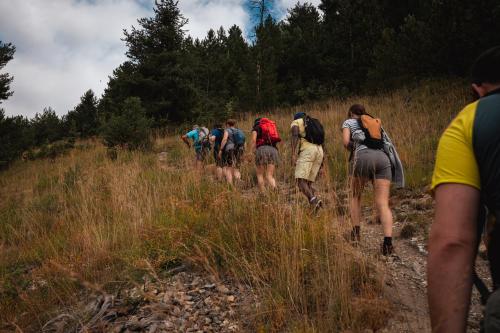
[(216, 136), (199, 136), (265, 137), (373, 158), (466, 186), (307, 154), (231, 151)]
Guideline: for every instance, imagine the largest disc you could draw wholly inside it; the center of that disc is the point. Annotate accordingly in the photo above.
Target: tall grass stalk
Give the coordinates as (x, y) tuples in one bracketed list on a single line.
[(101, 219)]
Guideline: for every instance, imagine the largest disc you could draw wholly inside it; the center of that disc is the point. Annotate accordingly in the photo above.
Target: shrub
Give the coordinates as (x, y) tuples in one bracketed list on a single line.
[(130, 129)]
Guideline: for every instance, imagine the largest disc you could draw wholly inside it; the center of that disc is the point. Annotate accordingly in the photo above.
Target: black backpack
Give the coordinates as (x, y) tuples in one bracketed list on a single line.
[(314, 131), (488, 223)]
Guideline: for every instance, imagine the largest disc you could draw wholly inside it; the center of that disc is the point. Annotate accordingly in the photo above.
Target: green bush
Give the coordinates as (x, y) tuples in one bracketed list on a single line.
[(50, 150), (129, 129)]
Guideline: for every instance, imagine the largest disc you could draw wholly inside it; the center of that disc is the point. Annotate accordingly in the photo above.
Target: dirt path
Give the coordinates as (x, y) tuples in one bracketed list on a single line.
[(404, 285), (405, 272), (192, 302)]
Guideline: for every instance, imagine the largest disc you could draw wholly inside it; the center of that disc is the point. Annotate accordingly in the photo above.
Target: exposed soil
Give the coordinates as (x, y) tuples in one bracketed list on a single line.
[(405, 279)]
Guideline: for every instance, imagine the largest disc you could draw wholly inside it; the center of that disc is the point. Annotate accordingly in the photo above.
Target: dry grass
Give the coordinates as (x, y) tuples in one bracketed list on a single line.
[(87, 218)]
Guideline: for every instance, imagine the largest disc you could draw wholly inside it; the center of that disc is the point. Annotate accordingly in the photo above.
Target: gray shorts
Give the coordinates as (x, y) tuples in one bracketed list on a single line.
[(371, 164), (265, 155)]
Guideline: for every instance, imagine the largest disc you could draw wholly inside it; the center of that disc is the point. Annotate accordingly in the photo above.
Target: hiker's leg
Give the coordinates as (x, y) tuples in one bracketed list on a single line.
[(311, 188), (270, 175), (357, 185), (260, 170), (382, 190), (219, 173), (305, 188), (236, 164), (199, 159), (236, 173), (228, 172)]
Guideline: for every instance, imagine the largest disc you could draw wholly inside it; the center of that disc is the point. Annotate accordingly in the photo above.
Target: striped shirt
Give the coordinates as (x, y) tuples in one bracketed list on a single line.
[(357, 134)]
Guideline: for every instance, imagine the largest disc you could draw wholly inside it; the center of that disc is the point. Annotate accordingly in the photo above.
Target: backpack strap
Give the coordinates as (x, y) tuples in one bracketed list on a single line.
[(476, 280), (230, 137)]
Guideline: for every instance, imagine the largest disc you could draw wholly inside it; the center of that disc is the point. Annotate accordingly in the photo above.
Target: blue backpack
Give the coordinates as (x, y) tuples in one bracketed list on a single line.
[(237, 137)]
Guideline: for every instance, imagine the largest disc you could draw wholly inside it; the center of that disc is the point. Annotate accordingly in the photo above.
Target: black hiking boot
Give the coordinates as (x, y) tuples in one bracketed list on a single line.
[(387, 249), (356, 234)]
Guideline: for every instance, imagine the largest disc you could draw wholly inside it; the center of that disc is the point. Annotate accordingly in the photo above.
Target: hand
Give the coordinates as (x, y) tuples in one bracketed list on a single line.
[(220, 154), (322, 171)]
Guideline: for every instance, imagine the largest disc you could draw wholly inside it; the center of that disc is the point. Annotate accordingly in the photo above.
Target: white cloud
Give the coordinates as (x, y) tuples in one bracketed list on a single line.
[(65, 47), (212, 14), (284, 5)]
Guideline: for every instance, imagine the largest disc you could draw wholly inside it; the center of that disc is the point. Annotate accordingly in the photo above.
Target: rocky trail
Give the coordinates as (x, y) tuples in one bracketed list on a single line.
[(405, 272), (187, 300)]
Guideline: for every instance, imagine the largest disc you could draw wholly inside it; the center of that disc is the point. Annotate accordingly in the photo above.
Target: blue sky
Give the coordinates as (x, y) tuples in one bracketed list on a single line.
[(65, 47)]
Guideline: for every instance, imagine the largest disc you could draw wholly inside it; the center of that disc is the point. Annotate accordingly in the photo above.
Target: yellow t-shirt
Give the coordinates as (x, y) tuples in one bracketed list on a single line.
[(304, 144), (455, 159)]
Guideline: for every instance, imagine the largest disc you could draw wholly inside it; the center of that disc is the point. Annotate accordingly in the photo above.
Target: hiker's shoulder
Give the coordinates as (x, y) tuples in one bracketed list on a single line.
[(461, 127), (297, 122), (350, 123), (468, 113), (455, 158), (192, 133)]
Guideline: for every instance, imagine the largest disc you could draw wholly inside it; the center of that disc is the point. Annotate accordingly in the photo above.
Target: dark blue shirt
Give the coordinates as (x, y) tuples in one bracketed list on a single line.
[(219, 135)]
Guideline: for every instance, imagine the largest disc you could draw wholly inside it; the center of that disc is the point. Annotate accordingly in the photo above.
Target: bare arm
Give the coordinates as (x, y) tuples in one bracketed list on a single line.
[(223, 142), (346, 138), (253, 142), (452, 250), (186, 140), (295, 140)]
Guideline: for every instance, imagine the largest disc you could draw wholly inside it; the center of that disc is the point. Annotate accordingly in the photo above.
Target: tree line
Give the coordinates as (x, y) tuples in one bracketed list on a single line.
[(342, 47)]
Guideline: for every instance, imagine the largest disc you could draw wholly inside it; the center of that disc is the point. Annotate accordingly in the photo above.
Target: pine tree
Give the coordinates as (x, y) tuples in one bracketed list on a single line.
[(268, 50), (129, 129), (84, 116), (351, 29), (301, 69), (6, 55), (156, 72), (47, 127)]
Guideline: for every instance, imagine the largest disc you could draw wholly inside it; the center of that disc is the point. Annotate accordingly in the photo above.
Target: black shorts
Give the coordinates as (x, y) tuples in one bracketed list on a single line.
[(232, 158), (218, 161)]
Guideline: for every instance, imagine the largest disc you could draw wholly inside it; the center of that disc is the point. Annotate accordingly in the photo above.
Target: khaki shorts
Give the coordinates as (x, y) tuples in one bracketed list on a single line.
[(309, 163)]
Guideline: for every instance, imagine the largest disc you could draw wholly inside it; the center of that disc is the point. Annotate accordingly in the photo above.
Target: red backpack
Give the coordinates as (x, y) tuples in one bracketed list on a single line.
[(269, 133)]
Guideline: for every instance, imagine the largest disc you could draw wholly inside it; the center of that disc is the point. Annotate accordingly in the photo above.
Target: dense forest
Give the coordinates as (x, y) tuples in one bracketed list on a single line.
[(341, 48)]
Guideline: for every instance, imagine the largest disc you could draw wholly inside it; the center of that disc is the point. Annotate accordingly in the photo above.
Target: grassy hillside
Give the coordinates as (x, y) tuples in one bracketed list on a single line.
[(84, 223)]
